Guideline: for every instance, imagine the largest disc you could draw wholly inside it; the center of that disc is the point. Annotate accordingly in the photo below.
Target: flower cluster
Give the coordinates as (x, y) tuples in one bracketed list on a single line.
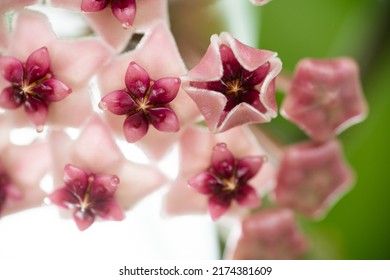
[(111, 89)]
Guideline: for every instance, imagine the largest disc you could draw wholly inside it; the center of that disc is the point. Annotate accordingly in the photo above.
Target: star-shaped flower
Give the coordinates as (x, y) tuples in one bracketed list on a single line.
[(195, 152), (234, 84), (269, 235), (325, 97), (37, 69), (144, 102), (311, 176), (227, 179), (91, 159)]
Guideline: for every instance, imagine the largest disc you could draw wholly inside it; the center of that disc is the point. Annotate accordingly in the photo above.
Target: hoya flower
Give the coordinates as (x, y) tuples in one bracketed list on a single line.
[(150, 80), (123, 10), (269, 235), (212, 176), (325, 97), (144, 102), (117, 25), (311, 176), (32, 85), (21, 170), (234, 84), (38, 69), (94, 159), (227, 179), (89, 195)]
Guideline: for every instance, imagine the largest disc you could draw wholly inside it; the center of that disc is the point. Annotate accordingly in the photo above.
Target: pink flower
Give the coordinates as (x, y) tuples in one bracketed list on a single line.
[(144, 102), (89, 194), (135, 16), (21, 170), (234, 84), (148, 65), (325, 97), (71, 61), (95, 155), (227, 179), (123, 10), (32, 84), (269, 235), (195, 151), (311, 176)]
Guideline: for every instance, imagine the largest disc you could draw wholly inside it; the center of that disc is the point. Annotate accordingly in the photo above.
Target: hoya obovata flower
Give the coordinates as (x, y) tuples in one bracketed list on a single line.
[(123, 10), (234, 84), (33, 85), (144, 102), (89, 195), (227, 179)]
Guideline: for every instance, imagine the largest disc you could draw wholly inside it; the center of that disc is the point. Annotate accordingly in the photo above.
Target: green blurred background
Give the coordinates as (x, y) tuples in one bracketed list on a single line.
[(358, 226)]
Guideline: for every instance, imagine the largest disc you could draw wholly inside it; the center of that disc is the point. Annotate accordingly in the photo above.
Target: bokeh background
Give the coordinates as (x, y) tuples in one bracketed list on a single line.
[(358, 226)]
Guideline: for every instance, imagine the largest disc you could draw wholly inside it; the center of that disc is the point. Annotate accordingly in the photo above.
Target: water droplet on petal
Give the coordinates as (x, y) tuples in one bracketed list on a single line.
[(102, 105), (115, 181), (39, 128), (126, 25)]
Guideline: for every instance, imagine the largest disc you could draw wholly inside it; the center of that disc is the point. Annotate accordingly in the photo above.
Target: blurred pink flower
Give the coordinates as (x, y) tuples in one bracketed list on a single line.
[(259, 2), (72, 62), (95, 152), (234, 84), (195, 151), (106, 25), (311, 176), (269, 235), (156, 65), (325, 97)]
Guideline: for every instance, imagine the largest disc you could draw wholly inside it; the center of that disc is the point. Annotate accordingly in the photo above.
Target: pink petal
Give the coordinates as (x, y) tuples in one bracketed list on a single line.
[(216, 209), (37, 65), (137, 80), (11, 98), (76, 179), (248, 167), (135, 127), (63, 197), (93, 5), (36, 110), (124, 11), (164, 119), (83, 219), (222, 161), (104, 186), (11, 69), (109, 210), (204, 182), (118, 102), (247, 196), (52, 90), (164, 90)]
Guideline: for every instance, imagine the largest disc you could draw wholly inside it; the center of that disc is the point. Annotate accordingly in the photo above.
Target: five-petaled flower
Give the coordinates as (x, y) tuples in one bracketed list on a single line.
[(311, 176), (234, 84), (32, 84), (123, 10), (145, 102), (227, 179), (325, 97), (89, 194)]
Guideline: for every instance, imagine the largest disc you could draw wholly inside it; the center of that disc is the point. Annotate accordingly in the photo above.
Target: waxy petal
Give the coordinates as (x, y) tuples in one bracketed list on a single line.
[(218, 206), (52, 90), (93, 5), (164, 119), (248, 167), (83, 219), (11, 69), (109, 210), (118, 102), (205, 182), (222, 161), (137, 80), (37, 65), (64, 197), (124, 11), (135, 127), (103, 186), (36, 111), (164, 90), (247, 196), (11, 98), (76, 179)]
